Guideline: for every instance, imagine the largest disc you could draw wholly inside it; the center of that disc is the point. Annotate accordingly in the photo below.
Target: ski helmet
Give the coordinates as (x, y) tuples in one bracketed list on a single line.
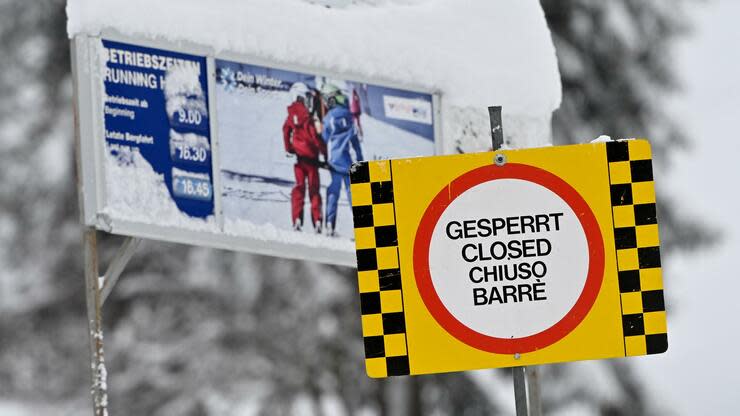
[(337, 99), (341, 99), (298, 90), (329, 90), (333, 95)]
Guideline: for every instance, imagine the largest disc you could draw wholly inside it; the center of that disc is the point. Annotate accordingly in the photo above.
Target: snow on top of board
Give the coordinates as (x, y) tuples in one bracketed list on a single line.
[(476, 53)]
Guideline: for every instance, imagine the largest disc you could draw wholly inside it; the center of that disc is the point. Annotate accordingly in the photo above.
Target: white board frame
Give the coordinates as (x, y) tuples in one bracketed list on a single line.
[(90, 148)]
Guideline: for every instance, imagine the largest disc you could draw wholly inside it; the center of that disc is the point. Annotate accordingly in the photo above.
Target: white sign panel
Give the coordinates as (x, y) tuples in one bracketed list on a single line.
[(532, 238)]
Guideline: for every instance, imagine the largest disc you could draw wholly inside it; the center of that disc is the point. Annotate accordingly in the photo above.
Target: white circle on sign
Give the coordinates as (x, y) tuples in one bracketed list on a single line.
[(537, 222)]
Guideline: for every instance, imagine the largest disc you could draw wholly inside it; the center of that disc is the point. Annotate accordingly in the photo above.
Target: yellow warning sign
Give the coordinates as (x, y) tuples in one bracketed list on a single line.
[(508, 258)]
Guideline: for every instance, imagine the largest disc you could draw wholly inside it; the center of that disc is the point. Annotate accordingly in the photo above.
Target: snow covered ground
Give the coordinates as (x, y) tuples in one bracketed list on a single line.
[(257, 177)]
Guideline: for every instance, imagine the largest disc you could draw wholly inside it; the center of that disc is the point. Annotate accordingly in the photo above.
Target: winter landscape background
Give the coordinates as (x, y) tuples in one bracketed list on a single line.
[(193, 331)]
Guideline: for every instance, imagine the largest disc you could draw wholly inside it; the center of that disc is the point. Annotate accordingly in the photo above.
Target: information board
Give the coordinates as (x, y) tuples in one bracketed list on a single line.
[(512, 258), (178, 143), (156, 119)]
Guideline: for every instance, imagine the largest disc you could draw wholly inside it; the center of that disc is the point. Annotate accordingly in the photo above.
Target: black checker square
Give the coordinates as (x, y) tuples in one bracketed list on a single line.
[(633, 324), (370, 303), (617, 151), (641, 170), (390, 279), (629, 281), (359, 172), (397, 366), (625, 237), (367, 259), (386, 236), (645, 214), (648, 257), (363, 216), (653, 301), (382, 192), (621, 194), (394, 323), (656, 343), (374, 347)]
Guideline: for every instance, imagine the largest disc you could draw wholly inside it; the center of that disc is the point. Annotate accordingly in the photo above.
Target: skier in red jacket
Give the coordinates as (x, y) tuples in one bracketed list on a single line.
[(301, 139)]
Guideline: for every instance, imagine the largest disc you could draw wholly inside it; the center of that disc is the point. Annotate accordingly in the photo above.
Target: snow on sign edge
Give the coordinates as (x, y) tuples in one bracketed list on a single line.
[(503, 56)]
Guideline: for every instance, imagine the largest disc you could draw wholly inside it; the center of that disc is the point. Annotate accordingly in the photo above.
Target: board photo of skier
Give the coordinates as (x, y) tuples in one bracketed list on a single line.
[(340, 135), (265, 114), (302, 141)]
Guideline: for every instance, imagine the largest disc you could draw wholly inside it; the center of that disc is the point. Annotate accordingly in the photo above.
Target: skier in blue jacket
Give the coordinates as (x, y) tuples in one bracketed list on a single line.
[(339, 133)]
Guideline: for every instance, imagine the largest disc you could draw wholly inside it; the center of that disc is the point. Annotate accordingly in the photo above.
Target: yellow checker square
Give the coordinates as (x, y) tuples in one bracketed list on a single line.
[(635, 345), (380, 171), (655, 322), (372, 325), (365, 237), (387, 257), (627, 259), (639, 149), (376, 367), (643, 192), (651, 279), (620, 172), (631, 303), (368, 281), (395, 345), (624, 216), (383, 214), (390, 301), (361, 194), (647, 235)]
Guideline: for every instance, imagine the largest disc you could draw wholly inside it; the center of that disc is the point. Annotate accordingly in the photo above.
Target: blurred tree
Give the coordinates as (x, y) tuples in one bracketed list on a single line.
[(617, 70), (40, 304), (192, 331)]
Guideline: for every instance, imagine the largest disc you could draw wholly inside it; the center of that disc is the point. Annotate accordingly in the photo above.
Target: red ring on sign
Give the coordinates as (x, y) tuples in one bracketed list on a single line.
[(543, 338)]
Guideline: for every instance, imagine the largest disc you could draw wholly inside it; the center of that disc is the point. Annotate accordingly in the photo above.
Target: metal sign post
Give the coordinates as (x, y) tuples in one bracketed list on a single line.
[(97, 289), (527, 391), (520, 391), (497, 127), (524, 378), (99, 387)]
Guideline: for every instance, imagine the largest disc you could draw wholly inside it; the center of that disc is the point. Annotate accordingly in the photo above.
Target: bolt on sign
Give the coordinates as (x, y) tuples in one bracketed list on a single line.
[(508, 258)]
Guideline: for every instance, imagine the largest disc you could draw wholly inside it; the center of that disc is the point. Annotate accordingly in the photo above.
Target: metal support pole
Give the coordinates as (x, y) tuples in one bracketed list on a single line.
[(526, 379), (533, 390), (520, 391), (497, 126), (99, 386), (124, 254)]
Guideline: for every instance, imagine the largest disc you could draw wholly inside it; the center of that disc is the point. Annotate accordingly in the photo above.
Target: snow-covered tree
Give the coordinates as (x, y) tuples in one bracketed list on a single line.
[(617, 70)]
